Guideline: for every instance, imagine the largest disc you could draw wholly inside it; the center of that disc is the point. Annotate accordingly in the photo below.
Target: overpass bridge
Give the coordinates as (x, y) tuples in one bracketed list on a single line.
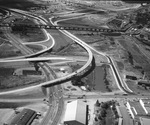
[(60, 27)]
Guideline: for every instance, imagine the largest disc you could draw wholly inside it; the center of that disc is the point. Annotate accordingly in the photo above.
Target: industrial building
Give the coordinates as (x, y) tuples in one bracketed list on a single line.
[(139, 108), (144, 121), (145, 83), (131, 77), (25, 117), (76, 113)]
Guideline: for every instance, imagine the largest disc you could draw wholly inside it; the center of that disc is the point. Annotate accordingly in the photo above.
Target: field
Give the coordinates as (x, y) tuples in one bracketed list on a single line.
[(5, 114), (28, 34), (7, 50), (90, 20), (100, 79), (138, 89), (9, 81), (20, 4), (35, 48)]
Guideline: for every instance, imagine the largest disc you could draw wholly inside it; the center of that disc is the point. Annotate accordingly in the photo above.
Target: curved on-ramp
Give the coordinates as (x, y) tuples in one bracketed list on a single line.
[(78, 72), (121, 85)]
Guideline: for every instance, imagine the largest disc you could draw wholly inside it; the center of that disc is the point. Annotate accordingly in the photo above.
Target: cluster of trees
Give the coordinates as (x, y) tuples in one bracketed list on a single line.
[(101, 111), (106, 80), (143, 18), (136, 1)]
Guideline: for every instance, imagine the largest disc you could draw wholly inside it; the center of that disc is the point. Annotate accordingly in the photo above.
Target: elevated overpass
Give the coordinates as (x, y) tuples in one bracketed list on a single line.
[(79, 72), (60, 27)]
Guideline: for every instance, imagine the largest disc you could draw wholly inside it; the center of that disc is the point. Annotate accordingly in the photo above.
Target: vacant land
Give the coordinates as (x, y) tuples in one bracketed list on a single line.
[(20, 4), (138, 89), (35, 48), (7, 50), (8, 80), (98, 79), (90, 20), (27, 34)]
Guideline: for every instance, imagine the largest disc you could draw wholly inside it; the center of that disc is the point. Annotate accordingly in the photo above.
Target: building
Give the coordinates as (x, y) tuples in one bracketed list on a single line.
[(124, 116), (145, 83), (139, 108), (25, 117), (135, 109), (131, 77), (76, 113), (144, 121), (146, 105)]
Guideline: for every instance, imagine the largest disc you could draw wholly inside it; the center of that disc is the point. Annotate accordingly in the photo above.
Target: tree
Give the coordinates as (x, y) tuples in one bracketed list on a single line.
[(103, 113), (105, 105), (141, 36), (96, 119), (100, 117), (97, 103), (36, 67)]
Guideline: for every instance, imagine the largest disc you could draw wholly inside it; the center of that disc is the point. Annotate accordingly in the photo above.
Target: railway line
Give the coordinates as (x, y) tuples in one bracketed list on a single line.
[(57, 103), (77, 28), (54, 93)]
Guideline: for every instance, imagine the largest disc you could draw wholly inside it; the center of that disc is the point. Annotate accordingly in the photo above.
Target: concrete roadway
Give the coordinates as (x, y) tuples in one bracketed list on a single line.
[(16, 42), (78, 71), (44, 59), (74, 97), (56, 109), (120, 83), (48, 73)]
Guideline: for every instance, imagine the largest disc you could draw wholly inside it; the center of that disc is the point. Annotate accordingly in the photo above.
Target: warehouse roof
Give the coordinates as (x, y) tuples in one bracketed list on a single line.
[(137, 106), (24, 117), (144, 121), (76, 110)]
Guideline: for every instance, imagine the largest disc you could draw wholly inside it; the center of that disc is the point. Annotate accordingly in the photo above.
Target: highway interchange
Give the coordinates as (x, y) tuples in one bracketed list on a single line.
[(55, 93)]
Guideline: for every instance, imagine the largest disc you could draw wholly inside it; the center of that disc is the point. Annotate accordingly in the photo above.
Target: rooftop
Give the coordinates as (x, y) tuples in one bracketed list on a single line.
[(24, 117), (76, 110), (146, 101), (137, 106)]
